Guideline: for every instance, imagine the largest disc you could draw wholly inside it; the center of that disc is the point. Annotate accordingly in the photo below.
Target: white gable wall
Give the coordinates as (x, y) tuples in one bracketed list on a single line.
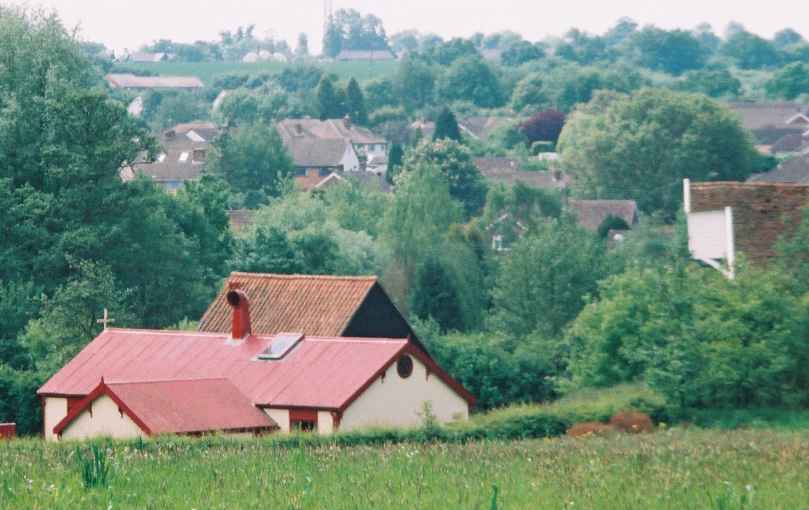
[(707, 235), (395, 402), (350, 161), (106, 420)]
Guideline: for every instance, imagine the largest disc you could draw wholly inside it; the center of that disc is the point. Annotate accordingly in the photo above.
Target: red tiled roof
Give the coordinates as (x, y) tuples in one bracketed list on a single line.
[(314, 305), (179, 406), (319, 372), (762, 212)]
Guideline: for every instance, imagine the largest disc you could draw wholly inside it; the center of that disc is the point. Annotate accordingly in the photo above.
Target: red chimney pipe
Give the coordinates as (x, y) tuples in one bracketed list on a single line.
[(237, 299)]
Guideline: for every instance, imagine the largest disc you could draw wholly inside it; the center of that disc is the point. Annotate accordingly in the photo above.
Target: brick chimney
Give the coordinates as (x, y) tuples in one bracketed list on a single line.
[(237, 300)]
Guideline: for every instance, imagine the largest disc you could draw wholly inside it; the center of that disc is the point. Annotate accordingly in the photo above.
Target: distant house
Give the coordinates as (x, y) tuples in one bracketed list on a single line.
[(771, 122), (240, 219), (792, 171), (133, 82), (504, 231), (509, 171), (135, 107), (314, 180), (476, 127), (795, 143), (145, 57), (591, 214), (333, 145), (184, 151), (365, 55), (728, 218)]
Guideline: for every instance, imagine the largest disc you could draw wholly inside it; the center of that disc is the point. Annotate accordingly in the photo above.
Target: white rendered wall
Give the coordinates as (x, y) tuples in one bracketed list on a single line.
[(281, 417), (55, 411), (350, 161), (397, 402), (707, 235), (325, 423), (105, 421)]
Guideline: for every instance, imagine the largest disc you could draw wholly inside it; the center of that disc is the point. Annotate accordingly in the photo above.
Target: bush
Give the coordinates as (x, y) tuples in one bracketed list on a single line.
[(94, 465)]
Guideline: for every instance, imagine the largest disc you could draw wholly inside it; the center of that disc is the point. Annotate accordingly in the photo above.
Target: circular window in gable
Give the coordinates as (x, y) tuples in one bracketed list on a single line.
[(404, 367)]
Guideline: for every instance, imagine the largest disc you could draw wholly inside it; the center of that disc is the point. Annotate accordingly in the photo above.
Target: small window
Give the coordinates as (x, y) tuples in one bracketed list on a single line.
[(497, 243), (404, 367), (184, 157)]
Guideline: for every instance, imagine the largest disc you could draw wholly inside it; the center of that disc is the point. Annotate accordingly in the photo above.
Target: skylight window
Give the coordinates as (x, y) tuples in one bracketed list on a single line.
[(184, 157), (281, 344)]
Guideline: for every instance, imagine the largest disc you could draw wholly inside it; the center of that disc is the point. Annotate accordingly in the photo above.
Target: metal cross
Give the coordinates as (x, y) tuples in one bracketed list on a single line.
[(106, 320)]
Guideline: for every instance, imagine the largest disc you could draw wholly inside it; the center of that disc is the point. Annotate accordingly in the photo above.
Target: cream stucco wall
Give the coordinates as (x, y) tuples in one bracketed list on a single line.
[(106, 420), (395, 402), (281, 417), (55, 411), (325, 423)]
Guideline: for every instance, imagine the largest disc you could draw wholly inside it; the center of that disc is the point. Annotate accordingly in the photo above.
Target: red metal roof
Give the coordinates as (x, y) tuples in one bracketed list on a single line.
[(179, 406), (314, 305), (319, 372)]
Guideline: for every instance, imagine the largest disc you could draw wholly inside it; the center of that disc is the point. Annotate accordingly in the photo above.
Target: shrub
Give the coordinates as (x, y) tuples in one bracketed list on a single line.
[(94, 465)]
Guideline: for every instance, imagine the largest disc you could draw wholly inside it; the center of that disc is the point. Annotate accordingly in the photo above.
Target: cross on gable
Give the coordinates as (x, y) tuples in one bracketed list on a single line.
[(106, 320)]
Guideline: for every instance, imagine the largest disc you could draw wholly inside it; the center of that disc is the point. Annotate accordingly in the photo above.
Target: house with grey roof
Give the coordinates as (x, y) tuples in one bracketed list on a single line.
[(333, 145), (509, 171), (133, 82), (183, 153), (791, 171), (476, 127), (771, 122), (365, 55)]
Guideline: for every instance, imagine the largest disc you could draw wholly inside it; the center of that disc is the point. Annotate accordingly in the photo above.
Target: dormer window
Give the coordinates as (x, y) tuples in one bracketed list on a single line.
[(184, 157)]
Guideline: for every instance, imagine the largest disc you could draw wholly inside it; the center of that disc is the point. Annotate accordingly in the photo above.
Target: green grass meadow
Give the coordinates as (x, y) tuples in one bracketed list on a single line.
[(672, 469), (208, 71)]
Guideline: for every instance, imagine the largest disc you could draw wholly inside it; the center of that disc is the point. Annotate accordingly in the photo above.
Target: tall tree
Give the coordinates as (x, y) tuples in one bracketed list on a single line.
[(435, 295), (446, 126), (466, 184), (643, 146), (545, 126), (330, 104), (355, 103), (542, 285), (472, 79), (254, 161)]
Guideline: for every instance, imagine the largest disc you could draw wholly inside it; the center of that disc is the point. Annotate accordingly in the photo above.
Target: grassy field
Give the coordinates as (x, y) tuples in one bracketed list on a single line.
[(207, 71), (673, 469)]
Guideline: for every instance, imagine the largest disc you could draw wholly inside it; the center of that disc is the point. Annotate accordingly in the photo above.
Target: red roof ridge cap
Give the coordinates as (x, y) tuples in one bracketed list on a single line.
[(157, 381), (303, 276), (171, 332)]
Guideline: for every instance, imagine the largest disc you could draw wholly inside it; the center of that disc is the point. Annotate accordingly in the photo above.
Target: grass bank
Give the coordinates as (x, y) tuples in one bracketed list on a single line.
[(675, 469), (208, 71)]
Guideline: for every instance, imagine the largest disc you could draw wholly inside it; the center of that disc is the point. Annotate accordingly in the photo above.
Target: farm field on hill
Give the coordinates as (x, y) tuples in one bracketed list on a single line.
[(671, 469), (208, 71)]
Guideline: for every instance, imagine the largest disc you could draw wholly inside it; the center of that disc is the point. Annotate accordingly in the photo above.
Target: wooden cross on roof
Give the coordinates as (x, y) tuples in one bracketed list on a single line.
[(106, 320)]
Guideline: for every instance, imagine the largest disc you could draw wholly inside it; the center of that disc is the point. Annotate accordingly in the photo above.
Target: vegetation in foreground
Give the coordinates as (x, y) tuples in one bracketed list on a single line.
[(672, 469)]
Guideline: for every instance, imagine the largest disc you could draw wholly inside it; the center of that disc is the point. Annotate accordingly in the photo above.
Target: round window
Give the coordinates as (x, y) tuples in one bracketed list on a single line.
[(404, 366)]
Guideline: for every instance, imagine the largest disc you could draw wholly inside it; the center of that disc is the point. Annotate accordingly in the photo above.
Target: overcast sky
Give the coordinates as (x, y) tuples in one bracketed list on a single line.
[(122, 24)]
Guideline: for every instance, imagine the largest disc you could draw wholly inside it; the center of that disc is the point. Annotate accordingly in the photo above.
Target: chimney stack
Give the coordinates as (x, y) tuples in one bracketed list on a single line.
[(237, 300)]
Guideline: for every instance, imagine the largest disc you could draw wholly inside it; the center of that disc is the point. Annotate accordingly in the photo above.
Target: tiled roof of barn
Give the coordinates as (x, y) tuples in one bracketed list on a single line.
[(762, 212), (314, 305)]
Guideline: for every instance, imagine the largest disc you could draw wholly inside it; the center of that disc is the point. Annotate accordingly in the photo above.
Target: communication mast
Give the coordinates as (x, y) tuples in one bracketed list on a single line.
[(328, 12)]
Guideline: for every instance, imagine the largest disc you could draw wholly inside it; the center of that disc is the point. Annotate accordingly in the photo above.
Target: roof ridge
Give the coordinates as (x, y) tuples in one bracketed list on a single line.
[(304, 276), (739, 184), (348, 339), (156, 381)]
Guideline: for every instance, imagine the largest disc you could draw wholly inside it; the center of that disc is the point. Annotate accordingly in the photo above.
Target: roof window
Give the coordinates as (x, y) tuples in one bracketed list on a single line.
[(280, 346)]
